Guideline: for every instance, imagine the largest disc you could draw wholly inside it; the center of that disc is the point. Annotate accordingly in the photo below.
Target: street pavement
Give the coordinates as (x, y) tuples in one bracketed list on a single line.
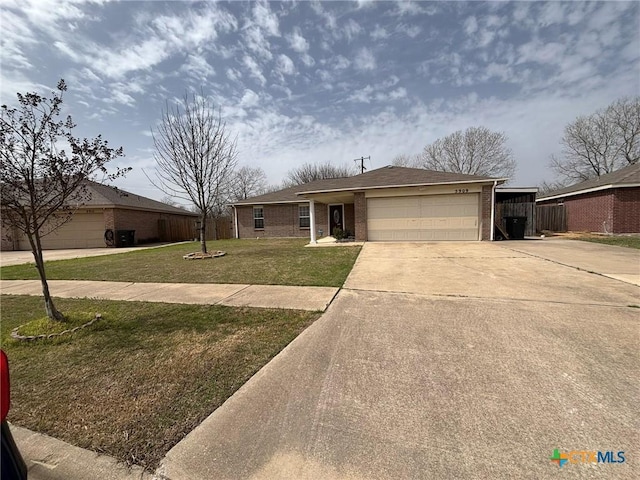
[(440, 360)]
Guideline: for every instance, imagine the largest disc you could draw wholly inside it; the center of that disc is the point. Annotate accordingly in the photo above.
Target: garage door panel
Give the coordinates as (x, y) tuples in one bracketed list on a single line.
[(84, 230), (423, 218)]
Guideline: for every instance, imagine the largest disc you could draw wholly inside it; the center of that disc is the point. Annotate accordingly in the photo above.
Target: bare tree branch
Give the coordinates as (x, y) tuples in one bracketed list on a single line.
[(40, 184), (475, 151), (309, 172), (600, 143), (195, 156)]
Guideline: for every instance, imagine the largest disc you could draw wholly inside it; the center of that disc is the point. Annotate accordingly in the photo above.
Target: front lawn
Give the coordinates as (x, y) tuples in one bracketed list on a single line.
[(258, 262), (142, 377), (620, 241)]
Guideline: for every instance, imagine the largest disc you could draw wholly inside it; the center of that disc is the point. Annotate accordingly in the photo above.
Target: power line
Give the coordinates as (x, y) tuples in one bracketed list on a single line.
[(361, 160)]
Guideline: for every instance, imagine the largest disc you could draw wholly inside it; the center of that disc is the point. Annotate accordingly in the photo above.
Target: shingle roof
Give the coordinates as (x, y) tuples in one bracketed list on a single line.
[(389, 176), (629, 175), (105, 195)]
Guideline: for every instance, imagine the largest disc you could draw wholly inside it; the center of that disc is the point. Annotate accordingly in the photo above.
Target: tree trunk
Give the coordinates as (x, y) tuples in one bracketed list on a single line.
[(203, 231), (36, 250)]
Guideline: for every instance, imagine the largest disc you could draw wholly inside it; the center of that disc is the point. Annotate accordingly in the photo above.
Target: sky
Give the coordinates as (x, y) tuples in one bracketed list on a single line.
[(301, 82)]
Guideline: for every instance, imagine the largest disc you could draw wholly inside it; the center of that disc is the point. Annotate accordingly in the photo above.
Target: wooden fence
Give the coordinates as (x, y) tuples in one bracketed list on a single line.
[(180, 229), (551, 217), (525, 209)]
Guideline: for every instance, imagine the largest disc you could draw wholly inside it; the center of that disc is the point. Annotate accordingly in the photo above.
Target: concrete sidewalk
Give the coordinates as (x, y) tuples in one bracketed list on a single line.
[(233, 295)]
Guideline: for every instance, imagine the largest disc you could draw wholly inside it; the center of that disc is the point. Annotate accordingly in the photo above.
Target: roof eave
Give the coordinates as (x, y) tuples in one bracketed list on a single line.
[(377, 187), (588, 190)]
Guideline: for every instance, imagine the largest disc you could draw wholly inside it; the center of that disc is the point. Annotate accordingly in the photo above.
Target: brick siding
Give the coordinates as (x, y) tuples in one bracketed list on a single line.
[(485, 209), (282, 220), (626, 210), (360, 214), (144, 223), (606, 211)]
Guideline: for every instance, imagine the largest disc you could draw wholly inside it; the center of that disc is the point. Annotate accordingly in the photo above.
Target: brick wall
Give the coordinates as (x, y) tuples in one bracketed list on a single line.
[(143, 222), (590, 212), (360, 216), (626, 210), (485, 208), (281, 220)]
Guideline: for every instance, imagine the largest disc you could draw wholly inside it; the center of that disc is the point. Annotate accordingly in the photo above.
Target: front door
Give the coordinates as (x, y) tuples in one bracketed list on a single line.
[(336, 217)]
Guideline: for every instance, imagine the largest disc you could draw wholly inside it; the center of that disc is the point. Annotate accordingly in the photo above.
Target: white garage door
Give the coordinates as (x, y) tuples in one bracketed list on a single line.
[(433, 217), (84, 230)]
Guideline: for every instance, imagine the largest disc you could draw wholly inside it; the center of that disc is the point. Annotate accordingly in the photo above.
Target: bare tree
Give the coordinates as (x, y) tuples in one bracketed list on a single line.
[(42, 185), (309, 172), (169, 200), (248, 182), (475, 151), (548, 187), (404, 160), (600, 143), (195, 157)]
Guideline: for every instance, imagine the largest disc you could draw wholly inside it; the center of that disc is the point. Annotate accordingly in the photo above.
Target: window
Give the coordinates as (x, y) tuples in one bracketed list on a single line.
[(304, 216), (258, 218)]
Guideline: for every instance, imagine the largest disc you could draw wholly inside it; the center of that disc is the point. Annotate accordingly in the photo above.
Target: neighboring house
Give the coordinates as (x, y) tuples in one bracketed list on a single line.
[(386, 204), (607, 204), (112, 210)]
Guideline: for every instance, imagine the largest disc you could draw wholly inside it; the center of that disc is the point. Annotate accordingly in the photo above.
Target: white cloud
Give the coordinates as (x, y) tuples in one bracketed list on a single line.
[(256, 42), (412, 31), (340, 63), (254, 69), (351, 29), (307, 60), (233, 74), (297, 42), (470, 25), (379, 33), (249, 99), (266, 19), (364, 60), (284, 65), (197, 67)]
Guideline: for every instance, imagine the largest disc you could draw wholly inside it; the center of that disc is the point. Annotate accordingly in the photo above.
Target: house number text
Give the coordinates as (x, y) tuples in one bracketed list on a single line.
[(462, 190)]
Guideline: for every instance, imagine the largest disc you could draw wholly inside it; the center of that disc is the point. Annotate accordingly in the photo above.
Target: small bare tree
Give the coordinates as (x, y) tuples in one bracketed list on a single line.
[(248, 182), (404, 160), (195, 156), (475, 151), (41, 185), (309, 172), (600, 143)]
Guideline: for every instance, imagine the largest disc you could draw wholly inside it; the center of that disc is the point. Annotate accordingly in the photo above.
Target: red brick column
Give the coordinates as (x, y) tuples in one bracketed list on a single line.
[(360, 214)]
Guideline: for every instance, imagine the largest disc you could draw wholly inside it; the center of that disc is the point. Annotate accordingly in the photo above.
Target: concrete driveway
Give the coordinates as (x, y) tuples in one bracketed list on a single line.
[(465, 360), (21, 256)]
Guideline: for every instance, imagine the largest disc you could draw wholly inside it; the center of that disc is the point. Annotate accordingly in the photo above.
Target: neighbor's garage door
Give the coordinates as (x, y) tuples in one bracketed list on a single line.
[(84, 230), (433, 217)]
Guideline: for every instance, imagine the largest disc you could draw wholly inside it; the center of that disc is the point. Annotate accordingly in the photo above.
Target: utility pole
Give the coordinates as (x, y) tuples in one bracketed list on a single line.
[(361, 160)]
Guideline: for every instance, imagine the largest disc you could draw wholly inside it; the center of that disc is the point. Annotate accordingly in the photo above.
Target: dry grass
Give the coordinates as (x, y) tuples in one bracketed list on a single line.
[(143, 377), (258, 262)]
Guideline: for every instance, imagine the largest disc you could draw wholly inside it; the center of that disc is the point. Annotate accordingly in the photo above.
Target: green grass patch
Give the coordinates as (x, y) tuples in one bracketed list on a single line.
[(620, 241), (258, 262), (46, 326), (141, 378)]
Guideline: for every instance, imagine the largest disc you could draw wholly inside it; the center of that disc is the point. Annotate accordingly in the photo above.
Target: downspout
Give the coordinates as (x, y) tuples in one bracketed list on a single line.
[(235, 222), (493, 210)]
